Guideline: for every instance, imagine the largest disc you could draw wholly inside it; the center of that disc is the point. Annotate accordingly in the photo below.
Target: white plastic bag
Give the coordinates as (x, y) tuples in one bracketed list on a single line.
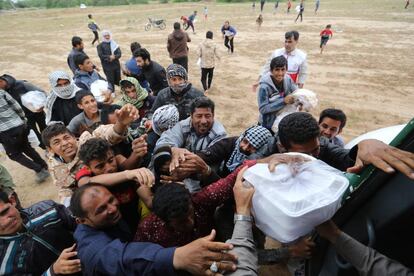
[(290, 202), (34, 100), (305, 100), (98, 89), (33, 140), (199, 62)]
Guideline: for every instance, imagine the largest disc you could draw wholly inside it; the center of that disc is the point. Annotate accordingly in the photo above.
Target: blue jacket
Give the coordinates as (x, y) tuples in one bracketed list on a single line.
[(109, 252), (269, 99), (47, 231), (84, 79), (229, 29)]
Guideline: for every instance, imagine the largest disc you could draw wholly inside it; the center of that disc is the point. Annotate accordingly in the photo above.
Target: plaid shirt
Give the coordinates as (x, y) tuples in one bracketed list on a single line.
[(11, 113)]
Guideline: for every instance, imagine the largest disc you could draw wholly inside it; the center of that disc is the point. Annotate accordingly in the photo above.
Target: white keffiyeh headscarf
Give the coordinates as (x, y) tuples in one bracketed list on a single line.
[(112, 43), (63, 92)]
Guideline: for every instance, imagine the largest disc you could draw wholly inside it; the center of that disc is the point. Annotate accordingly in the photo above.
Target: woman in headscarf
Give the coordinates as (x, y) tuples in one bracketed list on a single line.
[(61, 104), (110, 53), (136, 95)]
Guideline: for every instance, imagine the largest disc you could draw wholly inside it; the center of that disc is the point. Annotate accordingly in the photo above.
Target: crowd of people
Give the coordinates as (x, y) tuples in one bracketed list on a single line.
[(149, 182)]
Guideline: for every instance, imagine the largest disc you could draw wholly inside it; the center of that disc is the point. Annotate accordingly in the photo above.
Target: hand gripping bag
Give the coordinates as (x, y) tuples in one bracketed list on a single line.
[(290, 202)]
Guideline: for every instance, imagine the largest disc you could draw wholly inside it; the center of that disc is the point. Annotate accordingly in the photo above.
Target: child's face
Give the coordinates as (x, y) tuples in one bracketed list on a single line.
[(89, 105), (278, 73), (131, 92), (64, 145), (87, 66), (107, 165)]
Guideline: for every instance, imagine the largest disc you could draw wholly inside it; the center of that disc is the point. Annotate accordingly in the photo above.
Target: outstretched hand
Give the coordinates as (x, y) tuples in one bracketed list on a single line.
[(197, 256), (384, 157)]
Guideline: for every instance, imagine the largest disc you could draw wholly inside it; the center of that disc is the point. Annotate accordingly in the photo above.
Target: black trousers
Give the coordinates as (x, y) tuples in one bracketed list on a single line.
[(113, 75), (206, 77), (37, 122), (190, 24), (183, 61), (15, 143), (96, 38), (228, 42), (301, 17)]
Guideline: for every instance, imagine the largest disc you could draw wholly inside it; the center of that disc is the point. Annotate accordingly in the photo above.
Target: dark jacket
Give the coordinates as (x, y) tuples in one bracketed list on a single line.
[(47, 231), (177, 44), (71, 59), (17, 88), (104, 51), (110, 252), (182, 101), (84, 79), (156, 76)]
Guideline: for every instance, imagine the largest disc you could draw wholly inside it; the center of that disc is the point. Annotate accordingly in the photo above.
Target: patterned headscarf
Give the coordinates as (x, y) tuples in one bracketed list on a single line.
[(142, 94), (177, 70), (257, 136), (164, 118), (63, 92)]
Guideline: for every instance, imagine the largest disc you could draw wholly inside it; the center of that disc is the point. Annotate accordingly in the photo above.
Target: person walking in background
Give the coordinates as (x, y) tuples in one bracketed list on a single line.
[(262, 2), (300, 11), (317, 3), (177, 46), (110, 53), (289, 5), (407, 3), (325, 35), (228, 34), (205, 13), (259, 22), (94, 28), (190, 21), (276, 6), (207, 52)]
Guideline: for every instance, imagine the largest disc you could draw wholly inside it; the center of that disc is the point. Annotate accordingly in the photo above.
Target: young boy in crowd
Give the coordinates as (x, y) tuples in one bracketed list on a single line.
[(63, 148), (90, 118), (325, 35), (85, 75), (331, 123), (274, 91), (102, 165)]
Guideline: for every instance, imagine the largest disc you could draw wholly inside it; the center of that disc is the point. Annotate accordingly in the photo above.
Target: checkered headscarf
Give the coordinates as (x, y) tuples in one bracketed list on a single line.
[(257, 136), (176, 70)]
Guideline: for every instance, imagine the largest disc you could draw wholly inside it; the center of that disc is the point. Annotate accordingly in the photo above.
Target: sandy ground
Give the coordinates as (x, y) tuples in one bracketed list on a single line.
[(366, 70)]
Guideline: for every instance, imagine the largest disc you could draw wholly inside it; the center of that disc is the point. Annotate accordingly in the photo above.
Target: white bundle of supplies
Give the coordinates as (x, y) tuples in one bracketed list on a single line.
[(34, 100), (289, 202), (305, 100), (99, 89)]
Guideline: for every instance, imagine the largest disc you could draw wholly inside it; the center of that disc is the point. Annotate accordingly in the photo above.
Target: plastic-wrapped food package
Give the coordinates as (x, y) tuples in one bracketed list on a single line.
[(34, 100), (305, 100), (98, 89), (290, 202)]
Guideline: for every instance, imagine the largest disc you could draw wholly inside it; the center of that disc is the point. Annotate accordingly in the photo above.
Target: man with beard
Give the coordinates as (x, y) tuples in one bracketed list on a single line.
[(61, 104), (153, 72), (177, 46)]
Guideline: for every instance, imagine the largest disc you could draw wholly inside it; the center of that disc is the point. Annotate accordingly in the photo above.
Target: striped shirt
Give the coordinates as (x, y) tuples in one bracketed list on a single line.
[(11, 113)]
